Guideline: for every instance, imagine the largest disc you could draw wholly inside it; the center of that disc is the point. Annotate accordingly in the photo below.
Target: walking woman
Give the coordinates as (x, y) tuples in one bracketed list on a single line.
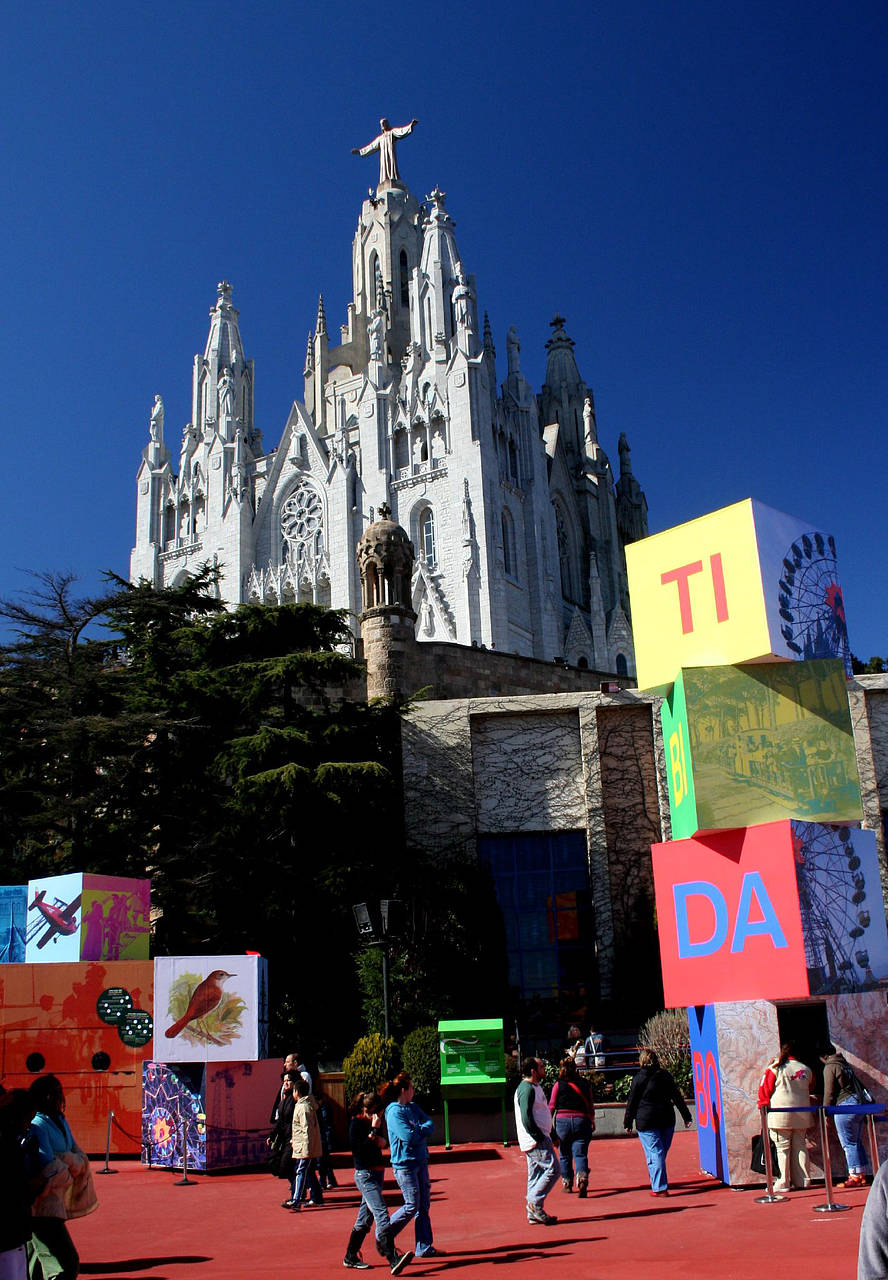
[(366, 1140), (574, 1114), (67, 1190), (787, 1083), (307, 1147), (408, 1130), (281, 1139), (652, 1101)]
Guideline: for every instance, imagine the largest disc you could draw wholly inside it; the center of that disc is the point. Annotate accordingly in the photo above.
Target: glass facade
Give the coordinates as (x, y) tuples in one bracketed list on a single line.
[(542, 887)]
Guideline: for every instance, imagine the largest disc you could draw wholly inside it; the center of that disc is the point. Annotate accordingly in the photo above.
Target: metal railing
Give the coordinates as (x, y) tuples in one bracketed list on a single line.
[(868, 1109)]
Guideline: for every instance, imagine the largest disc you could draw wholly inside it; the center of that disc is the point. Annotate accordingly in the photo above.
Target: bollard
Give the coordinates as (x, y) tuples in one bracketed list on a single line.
[(873, 1142), (829, 1205), (184, 1181), (107, 1168), (770, 1196)]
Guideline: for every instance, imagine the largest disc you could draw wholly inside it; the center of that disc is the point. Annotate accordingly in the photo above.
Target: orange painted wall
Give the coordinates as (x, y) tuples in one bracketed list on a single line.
[(50, 1009)]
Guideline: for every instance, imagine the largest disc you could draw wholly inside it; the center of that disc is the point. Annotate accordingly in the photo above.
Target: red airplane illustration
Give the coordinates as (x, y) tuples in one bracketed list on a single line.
[(61, 919)]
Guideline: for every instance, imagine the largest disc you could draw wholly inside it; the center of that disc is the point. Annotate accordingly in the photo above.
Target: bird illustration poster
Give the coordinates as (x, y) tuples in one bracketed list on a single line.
[(210, 1008)]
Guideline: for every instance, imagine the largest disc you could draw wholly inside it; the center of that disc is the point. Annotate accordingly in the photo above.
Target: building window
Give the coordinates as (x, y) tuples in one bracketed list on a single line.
[(427, 537), (542, 889), (509, 545), (622, 665), (405, 280)]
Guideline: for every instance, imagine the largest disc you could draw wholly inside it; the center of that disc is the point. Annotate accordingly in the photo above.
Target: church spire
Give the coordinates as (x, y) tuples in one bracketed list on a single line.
[(222, 391), (321, 325)]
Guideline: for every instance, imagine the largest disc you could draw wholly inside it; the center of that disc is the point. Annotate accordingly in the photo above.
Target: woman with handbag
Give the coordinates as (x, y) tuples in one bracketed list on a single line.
[(787, 1083), (840, 1089), (574, 1115), (651, 1106), (67, 1189)]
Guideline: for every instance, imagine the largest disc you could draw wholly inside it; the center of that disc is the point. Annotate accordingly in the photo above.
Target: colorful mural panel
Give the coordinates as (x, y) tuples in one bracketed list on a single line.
[(115, 918), (13, 922), (54, 915), (753, 744), (89, 1024), (711, 1136)]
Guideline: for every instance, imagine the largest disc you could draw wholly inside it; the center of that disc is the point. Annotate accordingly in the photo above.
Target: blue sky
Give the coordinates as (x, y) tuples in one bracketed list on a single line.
[(700, 188)]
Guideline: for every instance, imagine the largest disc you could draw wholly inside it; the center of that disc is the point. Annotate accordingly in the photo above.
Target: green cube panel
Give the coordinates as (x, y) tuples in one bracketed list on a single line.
[(472, 1052), (758, 743)]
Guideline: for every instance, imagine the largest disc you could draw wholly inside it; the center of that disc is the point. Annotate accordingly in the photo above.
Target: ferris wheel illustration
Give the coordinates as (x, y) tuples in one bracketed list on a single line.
[(833, 891), (810, 600)]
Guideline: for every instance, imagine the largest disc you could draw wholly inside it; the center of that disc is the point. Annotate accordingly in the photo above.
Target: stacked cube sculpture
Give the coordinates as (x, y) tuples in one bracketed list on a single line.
[(768, 890)]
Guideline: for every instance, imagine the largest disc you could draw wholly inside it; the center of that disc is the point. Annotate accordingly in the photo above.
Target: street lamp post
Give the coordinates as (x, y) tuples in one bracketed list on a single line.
[(377, 929)]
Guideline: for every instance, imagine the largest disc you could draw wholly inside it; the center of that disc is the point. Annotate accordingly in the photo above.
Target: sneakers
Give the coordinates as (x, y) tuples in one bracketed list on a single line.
[(356, 1262), (401, 1260), (566, 1184), (855, 1180), (537, 1216), (659, 1193)]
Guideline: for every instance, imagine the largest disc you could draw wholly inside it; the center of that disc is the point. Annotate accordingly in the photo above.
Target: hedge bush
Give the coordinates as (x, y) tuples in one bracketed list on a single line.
[(372, 1061), (422, 1062)]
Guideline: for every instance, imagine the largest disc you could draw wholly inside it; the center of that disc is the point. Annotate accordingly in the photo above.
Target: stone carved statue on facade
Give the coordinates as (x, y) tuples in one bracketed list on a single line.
[(376, 335), (513, 350), (226, 395), (588, 427), (418, 446), (437, 445), (384, 143), (462, 296), (155, 427), (426, 617)]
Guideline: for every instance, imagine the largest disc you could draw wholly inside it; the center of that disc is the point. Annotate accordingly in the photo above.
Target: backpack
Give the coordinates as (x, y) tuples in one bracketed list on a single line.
[(851, 1084)]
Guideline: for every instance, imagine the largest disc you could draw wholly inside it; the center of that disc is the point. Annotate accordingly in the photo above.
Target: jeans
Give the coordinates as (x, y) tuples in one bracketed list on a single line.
[(369, 1183), (413, 1179), (542, 1172), (307, 1171), (850, 1131), (656, 1144), (574, 1133)]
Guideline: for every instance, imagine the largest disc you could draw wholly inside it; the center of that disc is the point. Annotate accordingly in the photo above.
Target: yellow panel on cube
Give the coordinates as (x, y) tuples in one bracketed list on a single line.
[(742, 584)]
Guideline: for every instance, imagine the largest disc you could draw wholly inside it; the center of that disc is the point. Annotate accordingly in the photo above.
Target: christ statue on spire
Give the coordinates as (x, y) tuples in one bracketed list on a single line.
[(384, 143)]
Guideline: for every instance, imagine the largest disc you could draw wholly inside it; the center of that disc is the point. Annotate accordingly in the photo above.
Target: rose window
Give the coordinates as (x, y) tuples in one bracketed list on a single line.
[(302, 516)]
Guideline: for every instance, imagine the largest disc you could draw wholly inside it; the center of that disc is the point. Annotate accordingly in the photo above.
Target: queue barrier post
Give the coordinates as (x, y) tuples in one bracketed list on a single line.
[(873, 1142), (829, 1205), (184, 1181), (770, 1196), (107, 1168)]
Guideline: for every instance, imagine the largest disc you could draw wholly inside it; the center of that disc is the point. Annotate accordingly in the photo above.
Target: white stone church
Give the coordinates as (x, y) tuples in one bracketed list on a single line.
[(508, 497)]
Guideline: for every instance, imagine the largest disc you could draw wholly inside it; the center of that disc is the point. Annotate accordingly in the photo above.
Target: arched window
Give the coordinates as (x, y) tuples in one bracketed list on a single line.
[(405, 280), (583, 662), (508, 527), (427, 546), (622, 665)]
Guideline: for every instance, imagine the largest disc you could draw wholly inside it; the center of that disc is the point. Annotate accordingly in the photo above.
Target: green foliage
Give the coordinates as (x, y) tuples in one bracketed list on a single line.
[(153, 732), (622, 1085), (875, 665), (422, 1061), (372, 1061), (684, 1078)]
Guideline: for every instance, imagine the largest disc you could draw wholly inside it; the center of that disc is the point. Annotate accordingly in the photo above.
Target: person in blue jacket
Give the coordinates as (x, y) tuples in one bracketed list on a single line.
[(408, 1132)]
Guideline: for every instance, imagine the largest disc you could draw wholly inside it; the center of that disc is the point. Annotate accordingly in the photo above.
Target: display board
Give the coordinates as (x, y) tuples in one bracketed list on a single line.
[(210, 1008), (87, 917)]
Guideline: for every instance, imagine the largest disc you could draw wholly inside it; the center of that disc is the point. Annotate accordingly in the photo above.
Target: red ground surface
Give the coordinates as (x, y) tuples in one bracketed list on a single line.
[(232, 1226)]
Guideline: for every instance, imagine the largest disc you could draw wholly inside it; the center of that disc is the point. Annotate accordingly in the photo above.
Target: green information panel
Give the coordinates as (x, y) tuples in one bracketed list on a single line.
[(472, 1064)]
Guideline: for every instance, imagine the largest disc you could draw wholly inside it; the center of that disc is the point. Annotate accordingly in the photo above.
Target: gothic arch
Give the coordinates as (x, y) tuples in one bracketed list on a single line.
[(425, 533), (566, 546)]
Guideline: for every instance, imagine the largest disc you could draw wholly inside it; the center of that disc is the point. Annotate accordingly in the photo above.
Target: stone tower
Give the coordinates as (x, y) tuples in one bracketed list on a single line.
[(385, 558)]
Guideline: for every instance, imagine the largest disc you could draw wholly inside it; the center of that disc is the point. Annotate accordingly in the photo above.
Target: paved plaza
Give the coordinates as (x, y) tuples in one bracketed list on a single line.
[(232, 1226)]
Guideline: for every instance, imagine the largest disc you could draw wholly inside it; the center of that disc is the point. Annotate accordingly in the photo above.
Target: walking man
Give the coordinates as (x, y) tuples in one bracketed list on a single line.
[(533, 1122)]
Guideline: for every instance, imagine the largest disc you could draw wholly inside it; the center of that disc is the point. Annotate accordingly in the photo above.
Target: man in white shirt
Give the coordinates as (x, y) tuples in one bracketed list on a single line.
[(533, 1123)]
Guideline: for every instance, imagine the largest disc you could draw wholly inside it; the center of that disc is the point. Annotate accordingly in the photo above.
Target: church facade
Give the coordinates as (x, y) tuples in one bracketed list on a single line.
[(516, 517)]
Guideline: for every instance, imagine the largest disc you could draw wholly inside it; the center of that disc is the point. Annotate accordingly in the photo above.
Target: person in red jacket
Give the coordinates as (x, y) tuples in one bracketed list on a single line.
[(787, 1083)]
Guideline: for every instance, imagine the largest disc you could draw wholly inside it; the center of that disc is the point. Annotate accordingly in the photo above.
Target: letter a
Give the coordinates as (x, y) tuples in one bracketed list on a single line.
[(769, 924)]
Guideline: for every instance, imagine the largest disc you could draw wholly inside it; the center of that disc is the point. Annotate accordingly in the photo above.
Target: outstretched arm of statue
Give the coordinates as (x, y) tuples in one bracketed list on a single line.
[(401, 131), (366, 151)]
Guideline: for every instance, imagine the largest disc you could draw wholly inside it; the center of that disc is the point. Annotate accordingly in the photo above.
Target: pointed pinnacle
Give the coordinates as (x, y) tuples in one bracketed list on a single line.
[(321, 326), (309, 355), (488, 336)]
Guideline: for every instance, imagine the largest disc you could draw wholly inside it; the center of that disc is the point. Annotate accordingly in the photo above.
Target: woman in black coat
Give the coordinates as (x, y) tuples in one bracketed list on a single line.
[(280, 1140), (652, 1101)]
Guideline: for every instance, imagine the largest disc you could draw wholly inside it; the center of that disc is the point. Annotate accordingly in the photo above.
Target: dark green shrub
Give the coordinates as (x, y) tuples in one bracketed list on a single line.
[(372, 1061), (422, 1062), (622, 1085)]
